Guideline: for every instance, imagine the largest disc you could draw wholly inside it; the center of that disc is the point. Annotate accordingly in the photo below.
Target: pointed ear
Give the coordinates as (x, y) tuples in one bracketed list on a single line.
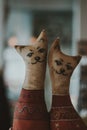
[(19, 49), (42, 37), (56, 45)]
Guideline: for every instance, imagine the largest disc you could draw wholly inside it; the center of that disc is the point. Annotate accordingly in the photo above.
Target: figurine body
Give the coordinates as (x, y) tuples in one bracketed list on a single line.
[(30, 111), (63, 114)]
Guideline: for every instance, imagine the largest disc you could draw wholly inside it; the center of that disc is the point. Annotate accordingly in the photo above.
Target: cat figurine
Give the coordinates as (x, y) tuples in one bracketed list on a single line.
[(61, 66), (30, 110)]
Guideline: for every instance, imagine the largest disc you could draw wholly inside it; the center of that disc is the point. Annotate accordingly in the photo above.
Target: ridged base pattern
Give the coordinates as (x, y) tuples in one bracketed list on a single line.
[(63, 115)]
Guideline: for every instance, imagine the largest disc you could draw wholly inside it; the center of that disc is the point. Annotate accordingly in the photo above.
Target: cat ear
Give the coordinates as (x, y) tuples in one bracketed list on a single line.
[(42, 37), (56, 45), (19, 49)]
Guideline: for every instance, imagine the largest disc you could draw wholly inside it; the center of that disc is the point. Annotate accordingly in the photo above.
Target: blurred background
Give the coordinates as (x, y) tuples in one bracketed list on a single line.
[(21, 21)]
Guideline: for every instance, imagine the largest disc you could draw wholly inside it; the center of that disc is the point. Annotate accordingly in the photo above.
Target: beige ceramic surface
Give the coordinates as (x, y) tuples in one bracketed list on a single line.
[(61, 67), (34, 56)]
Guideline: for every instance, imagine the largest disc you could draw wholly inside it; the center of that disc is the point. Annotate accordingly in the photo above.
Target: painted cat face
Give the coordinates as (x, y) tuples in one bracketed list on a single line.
[(62, 67), (61, 64), (35, 53)]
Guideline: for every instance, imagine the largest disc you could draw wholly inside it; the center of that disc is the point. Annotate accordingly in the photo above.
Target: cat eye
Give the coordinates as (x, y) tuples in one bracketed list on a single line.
[(30, 54), (41, 50), (58, 62), (69, 67)]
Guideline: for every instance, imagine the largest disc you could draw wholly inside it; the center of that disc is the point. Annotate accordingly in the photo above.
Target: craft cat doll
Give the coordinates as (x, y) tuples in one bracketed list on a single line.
[(63, 115), (30, 111)]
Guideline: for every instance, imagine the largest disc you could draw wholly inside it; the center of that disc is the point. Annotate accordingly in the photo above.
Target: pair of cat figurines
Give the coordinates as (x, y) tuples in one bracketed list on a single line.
[(30, 111)]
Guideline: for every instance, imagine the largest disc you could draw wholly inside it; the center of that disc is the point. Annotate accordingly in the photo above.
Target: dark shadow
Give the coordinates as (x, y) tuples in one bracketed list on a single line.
[(5, 118)]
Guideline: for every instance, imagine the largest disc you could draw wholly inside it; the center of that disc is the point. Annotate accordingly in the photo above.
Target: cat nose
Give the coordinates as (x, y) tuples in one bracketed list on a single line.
[(37, 58), (62, 70)]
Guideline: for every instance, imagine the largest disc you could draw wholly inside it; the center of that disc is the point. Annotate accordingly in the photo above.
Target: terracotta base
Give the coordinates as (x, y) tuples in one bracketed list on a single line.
[(64, 116), (30, 111)]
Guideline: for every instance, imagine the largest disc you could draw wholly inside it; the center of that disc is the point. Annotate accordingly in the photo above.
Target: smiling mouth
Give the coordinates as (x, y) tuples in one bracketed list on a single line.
[(61, 73), (40, 61)]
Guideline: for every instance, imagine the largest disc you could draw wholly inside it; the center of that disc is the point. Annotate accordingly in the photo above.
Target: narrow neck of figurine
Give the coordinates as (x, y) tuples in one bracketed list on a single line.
[(34, 77), (61, 88)]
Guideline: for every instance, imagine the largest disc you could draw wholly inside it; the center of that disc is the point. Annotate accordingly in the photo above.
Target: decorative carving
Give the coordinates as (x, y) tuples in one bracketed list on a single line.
[(63, 113), (30, 111)]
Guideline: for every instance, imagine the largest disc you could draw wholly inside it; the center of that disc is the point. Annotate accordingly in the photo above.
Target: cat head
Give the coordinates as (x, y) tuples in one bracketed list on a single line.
[(59, 63), (35, 53)]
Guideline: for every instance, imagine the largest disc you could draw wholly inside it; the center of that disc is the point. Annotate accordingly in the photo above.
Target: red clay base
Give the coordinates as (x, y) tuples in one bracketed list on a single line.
[(64, 116), (30, 111)]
